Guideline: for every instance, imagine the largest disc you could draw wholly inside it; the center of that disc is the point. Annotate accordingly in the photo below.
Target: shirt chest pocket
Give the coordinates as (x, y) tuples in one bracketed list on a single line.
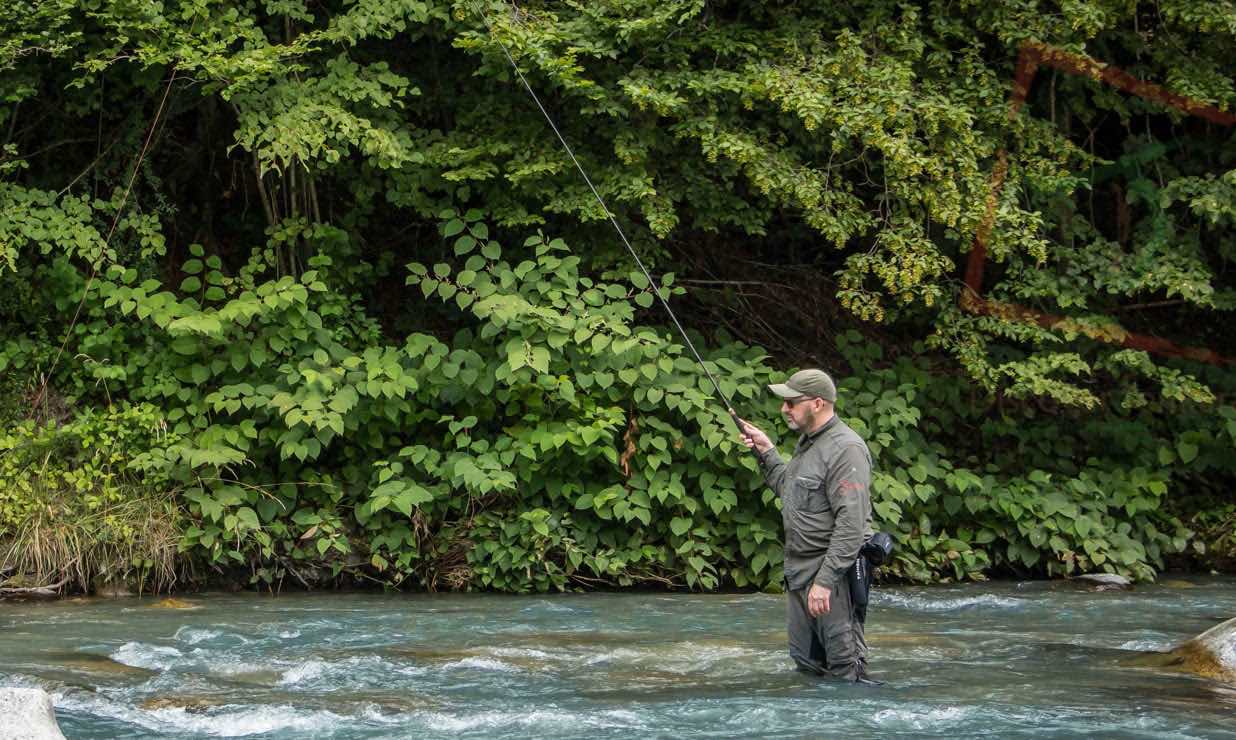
[(809, 495)]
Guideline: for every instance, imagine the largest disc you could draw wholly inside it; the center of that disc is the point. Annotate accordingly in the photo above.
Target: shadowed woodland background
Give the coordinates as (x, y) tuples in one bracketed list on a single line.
[(307, 292)]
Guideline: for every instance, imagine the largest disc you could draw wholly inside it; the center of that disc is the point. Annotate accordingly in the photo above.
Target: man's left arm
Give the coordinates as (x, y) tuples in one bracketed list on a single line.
[(848, 494)]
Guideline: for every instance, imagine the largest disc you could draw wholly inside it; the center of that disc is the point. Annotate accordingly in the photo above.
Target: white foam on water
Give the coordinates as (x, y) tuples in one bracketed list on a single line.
[(926, 603), (624, 715), (230, 665), (615, 656), (912, 719), (223, 721), (1145, 645), (756, 717), (194, 635), (541, 719), (284, 631), (303, 672), (251, 721), (354, 671), (505, 652), (484, 664), (549, 606), (219, 661), (228, 662), (686, 657), (143, 655)]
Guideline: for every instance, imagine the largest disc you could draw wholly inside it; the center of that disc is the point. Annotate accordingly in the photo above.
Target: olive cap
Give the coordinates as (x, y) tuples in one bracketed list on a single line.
[(811, 383)]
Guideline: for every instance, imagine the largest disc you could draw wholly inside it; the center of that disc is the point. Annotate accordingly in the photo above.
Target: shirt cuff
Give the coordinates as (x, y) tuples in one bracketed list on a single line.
[(827, 578)]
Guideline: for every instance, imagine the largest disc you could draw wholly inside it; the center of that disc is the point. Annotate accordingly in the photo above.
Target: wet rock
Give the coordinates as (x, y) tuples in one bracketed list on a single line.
[(1105, 581), (95, 664), (28, 714), (171, 603), (110, 588), (191, 704), (1211, 654), (1177, 583)]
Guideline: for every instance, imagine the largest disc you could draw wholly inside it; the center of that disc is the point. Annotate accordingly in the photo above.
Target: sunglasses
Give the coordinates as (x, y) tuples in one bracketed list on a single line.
[(792, 402)]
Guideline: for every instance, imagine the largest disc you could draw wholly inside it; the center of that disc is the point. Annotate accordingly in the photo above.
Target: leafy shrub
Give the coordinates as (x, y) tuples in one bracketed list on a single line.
[(553, 442)]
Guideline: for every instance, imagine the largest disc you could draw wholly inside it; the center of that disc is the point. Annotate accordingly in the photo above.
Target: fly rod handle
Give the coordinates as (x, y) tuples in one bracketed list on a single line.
[(734, 418), (739, 424)]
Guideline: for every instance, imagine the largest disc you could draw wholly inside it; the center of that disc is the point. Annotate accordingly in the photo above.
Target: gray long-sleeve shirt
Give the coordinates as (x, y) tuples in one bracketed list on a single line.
[(825, 492)]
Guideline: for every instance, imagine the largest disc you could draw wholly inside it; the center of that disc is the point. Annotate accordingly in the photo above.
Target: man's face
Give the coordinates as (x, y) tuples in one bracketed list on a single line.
[(801, 413)]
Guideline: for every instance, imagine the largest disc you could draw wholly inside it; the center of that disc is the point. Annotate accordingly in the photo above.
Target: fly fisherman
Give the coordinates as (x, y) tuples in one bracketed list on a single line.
[(826, 510), (824, 499)]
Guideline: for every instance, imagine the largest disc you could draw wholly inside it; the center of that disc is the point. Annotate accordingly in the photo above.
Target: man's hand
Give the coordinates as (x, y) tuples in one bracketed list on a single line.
[(817, 600), (753, 437)]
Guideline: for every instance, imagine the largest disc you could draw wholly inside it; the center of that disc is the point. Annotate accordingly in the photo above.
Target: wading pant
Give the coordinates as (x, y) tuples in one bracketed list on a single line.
[(832, 644)]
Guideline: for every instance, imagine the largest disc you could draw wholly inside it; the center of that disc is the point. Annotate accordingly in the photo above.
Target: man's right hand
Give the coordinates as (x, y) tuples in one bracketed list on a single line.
[(753, 437)]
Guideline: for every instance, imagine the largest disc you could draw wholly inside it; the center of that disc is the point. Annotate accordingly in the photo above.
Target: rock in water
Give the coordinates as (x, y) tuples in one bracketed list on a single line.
[(1211, 654), (171, 603), (28, 714), (110, 588), (1106, 581)]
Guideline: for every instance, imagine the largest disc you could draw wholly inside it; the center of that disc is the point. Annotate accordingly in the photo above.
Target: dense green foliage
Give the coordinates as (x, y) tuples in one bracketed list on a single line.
[(312, 291)]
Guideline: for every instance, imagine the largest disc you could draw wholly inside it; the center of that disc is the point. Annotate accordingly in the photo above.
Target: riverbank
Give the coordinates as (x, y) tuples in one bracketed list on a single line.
[(361, 586)]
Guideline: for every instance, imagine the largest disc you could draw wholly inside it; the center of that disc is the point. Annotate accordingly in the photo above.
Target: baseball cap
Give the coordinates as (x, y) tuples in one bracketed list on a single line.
[(812, 383)]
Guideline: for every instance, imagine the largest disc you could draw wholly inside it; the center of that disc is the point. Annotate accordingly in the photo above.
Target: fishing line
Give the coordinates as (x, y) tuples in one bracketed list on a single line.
[(94, 270), (613, 221)]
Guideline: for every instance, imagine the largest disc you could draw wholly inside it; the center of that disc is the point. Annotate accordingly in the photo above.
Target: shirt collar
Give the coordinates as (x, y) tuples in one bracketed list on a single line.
[(808, 438)]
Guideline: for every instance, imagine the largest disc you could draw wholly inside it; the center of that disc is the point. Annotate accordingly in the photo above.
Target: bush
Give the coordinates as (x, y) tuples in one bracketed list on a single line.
[(552, 442)]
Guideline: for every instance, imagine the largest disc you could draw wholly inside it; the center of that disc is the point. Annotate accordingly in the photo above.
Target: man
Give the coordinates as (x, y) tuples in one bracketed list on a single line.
[(826, 510)]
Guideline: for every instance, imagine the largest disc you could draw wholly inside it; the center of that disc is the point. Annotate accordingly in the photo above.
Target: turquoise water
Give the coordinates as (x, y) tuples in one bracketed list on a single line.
[(1005, 658)]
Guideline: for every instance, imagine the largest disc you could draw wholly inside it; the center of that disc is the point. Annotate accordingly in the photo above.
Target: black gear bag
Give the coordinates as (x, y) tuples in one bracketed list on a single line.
[(875, 552)]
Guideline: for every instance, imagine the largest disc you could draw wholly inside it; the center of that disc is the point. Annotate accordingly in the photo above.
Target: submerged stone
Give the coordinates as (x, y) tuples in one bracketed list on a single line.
[(171, 603), (191, 704), (97, 664), (901, 638), (28, 714)]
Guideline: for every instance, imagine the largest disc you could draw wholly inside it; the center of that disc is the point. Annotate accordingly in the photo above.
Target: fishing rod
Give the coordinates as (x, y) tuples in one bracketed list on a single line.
[(614, 222)]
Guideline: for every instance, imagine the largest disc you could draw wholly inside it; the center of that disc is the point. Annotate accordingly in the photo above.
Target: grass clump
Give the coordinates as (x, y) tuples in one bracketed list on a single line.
[(75, 514)]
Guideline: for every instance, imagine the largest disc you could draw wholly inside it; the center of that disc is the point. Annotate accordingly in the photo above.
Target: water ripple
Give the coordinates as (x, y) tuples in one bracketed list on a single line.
[(537, 719), (223, 721), (915, 719), (194, 635), (483, 664), (927, 603), (142, 655)]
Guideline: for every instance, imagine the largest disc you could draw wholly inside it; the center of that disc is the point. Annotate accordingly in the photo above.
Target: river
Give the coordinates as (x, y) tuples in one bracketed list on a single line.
[(1032, 658)]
